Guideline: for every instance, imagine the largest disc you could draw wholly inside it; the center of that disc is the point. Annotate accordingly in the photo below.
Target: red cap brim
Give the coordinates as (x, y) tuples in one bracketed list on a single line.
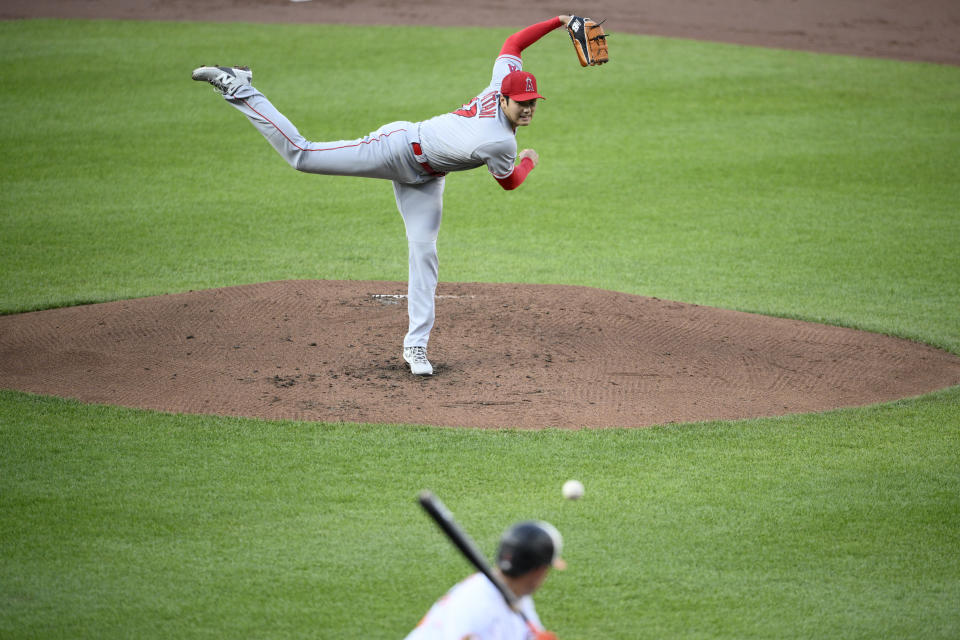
[(523, 97)]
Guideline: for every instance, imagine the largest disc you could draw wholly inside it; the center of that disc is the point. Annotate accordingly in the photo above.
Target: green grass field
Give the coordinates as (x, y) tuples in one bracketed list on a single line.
[(824, 188)]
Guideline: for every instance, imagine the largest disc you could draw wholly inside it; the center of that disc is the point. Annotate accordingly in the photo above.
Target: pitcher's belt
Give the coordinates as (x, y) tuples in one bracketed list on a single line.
[(422, 159)]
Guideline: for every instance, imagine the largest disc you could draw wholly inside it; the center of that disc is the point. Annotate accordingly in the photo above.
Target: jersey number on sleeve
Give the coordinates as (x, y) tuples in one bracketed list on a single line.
[(487, 105), (468, 110)]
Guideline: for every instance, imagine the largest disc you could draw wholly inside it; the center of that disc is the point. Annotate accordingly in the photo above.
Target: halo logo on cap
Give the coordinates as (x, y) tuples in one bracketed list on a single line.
[(520, 85)]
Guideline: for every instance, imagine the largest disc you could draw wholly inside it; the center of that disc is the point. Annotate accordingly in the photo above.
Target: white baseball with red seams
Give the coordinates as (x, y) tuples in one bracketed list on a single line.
[(416, 156)]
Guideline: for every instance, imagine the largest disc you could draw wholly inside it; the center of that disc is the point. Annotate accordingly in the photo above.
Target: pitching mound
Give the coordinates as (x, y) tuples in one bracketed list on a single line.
[(504, 356)]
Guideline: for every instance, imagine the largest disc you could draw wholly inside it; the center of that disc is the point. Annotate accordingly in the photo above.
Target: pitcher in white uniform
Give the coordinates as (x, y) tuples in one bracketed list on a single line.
[(415, 156)]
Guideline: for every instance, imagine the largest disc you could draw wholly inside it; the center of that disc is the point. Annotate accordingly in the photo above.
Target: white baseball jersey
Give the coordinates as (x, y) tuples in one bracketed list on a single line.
[(475, 608), (477, 133)]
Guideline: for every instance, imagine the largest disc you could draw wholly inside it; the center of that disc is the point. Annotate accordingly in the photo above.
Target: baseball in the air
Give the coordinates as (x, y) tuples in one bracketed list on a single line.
[(572, 489)]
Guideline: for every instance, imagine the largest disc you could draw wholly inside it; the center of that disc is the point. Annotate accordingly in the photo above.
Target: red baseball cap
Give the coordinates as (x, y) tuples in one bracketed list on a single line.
[(520, 85)]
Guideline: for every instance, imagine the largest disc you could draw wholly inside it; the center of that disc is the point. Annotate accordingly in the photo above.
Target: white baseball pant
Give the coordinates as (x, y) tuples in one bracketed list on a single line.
[(386, 153)]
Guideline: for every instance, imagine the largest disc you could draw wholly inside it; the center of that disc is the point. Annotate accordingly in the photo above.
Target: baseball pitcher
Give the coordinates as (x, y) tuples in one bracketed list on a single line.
[(416, 156)]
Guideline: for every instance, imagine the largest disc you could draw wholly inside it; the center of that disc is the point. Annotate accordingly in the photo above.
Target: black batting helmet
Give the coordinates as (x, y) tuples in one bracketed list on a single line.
[(529, 545)]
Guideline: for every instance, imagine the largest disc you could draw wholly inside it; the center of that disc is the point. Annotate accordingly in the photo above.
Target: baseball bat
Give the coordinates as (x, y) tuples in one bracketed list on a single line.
[(442, 516)]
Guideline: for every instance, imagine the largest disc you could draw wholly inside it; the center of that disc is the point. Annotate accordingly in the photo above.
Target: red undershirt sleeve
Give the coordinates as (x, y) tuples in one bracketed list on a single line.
[(519, 174), (513, 46), (526, 37)]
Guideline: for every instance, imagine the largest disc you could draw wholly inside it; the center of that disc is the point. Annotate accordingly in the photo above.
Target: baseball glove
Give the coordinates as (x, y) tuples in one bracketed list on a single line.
[(589, 41)]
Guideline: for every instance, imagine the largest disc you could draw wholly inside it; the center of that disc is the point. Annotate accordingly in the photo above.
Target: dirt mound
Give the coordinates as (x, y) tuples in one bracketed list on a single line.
[(505, 356)]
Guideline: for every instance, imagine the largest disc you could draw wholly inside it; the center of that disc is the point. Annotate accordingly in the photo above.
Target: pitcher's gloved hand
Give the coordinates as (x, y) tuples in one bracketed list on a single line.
[(589, 41)]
